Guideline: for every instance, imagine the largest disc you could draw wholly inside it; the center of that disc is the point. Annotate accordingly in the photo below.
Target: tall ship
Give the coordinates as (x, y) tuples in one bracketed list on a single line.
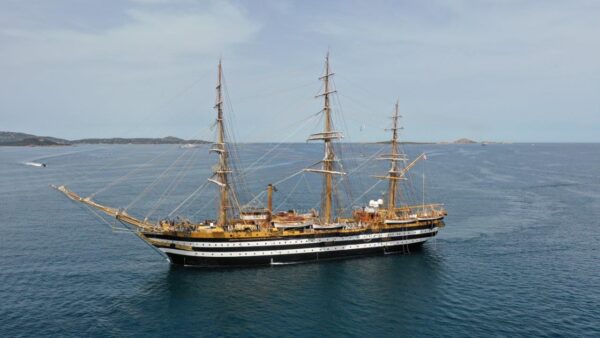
[(242, 236)]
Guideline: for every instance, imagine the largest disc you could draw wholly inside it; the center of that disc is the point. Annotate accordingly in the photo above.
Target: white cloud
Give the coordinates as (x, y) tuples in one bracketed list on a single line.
[(127, 72), (158, 2), (150, 37), (459, 67)]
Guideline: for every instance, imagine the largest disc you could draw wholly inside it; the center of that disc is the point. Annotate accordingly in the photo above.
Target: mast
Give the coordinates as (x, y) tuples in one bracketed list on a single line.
[(393, 179), (395, 174), (270, 189), (327, 136), (329, 154), (221, 170)]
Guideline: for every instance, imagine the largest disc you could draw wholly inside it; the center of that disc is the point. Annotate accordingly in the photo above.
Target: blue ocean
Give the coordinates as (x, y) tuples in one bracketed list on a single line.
[(519, 256)]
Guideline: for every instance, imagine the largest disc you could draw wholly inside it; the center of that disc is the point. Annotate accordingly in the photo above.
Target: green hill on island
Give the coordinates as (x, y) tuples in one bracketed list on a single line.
[(8, 138)]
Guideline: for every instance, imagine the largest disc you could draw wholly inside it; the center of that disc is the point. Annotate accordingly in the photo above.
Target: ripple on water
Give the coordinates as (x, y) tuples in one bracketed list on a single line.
[(519, 255)]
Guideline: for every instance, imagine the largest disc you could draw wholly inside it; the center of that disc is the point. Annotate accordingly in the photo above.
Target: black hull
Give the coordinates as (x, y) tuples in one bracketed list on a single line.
[(227, 252), (212, 262)]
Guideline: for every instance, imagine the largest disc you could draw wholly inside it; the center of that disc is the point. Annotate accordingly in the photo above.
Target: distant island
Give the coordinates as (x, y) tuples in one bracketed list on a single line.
[(459, 141), (468, 141), (405, 142), (22, 139), (464, 141), (8, 138)]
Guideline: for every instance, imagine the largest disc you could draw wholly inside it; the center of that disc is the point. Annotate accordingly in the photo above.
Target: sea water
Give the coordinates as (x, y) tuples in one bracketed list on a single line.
[(520, 253)]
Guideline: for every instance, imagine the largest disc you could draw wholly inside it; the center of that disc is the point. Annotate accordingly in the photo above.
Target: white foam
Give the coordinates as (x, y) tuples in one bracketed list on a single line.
[(34, 164)]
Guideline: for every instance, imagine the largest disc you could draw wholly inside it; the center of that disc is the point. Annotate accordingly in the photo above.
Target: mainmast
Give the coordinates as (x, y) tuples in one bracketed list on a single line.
[(328, 135), (221, 170)]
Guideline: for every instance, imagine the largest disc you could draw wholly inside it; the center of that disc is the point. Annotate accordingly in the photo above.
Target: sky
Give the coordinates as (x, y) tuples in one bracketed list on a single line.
[(517, 71)]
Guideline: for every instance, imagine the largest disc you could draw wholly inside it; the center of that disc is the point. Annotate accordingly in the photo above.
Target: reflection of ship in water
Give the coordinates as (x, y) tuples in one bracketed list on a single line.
[(244, 235)]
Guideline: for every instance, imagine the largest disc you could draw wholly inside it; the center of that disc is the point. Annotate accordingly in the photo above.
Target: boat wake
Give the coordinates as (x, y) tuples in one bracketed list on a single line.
[(35, 164)]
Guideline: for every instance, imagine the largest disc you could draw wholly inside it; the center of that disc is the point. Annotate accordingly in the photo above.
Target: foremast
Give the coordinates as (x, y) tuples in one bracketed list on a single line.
[(327, 136), (221, 170)]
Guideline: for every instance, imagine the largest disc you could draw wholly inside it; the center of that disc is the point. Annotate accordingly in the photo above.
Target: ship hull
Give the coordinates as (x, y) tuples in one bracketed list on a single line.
[(212, 262), (225, 253)]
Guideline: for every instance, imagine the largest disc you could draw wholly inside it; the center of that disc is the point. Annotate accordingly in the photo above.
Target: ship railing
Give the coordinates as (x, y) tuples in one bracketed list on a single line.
[(298, 211), (423, 210)]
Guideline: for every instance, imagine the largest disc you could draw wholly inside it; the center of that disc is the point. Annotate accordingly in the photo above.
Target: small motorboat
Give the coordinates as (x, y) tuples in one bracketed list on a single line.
[(401, 221), (329, 226), (292, 225), (35, 164), (431, 218)]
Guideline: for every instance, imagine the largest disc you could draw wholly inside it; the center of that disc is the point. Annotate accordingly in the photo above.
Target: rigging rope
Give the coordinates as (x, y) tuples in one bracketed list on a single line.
[(145, 191), (289, 194), (171, 186), (124, 177), (274, 184), (98, 215), (190, 196), (366, 192), (273, 92), (81, 173), (213, 200), (365, 90), (303, 123)]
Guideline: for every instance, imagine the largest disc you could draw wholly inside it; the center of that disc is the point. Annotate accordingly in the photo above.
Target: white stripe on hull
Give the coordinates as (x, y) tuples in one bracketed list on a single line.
[(294, 241), (294, 251)]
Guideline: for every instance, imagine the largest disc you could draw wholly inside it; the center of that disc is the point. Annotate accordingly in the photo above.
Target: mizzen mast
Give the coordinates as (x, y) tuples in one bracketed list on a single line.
[(327, 136), (221, 171)]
